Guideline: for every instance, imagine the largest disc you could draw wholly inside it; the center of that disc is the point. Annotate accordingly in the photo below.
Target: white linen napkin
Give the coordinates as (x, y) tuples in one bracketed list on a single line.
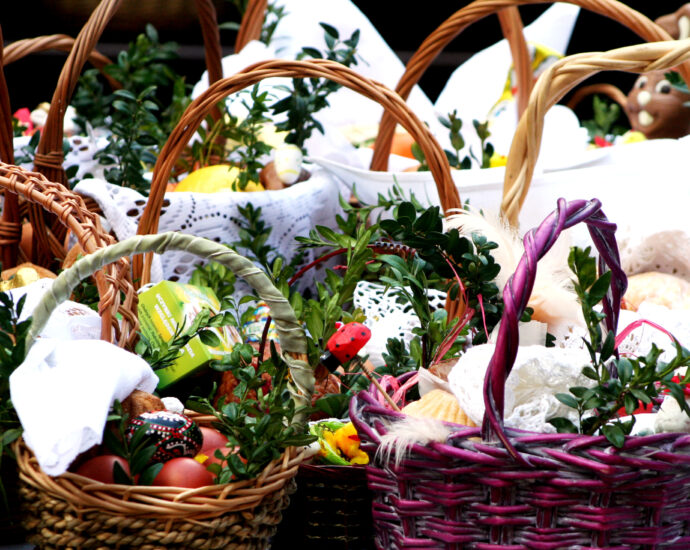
[(62, 393)]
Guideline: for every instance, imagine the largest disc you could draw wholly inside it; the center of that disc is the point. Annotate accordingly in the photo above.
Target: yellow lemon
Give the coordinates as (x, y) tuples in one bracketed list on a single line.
[(213, 179)]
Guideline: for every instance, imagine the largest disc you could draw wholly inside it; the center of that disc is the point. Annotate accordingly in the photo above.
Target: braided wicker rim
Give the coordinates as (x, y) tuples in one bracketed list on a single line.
[(456, 23), (165, 502), (320, 68), (10, 227), (86, 227), (552, 85)]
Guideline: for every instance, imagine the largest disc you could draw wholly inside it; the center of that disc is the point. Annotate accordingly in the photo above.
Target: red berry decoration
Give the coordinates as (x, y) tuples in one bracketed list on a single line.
[(345, 344), (174, 434)]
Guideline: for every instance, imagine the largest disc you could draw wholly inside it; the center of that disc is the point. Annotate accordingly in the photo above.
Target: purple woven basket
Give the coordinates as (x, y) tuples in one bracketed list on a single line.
[(500, 488)]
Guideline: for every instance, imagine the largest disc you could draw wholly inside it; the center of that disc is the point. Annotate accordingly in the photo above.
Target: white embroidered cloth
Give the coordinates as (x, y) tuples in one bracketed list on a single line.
[(290, 212)]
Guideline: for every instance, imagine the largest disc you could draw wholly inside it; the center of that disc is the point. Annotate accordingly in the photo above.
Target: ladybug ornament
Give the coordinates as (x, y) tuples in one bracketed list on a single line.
[(345, 344), (174, 435)]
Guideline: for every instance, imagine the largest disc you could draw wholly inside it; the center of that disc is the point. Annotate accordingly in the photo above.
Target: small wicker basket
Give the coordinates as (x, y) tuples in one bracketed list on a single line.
[(73, 511), (494, 487)]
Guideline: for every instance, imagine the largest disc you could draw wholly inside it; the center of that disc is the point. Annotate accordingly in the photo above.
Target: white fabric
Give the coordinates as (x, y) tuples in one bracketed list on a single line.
[(291, 212), (376, 60), (69, 321), (538, 374), (476, 85), (62, 393), (386, 317)]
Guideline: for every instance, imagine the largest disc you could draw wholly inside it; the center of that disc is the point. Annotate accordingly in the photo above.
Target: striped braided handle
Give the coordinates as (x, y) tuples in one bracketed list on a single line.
[(517, 292), (553, 84), (291, 334), (461, 19)]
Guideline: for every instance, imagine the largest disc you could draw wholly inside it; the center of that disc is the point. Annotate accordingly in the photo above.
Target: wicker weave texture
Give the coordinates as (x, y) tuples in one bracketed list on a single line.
[(498, 488), (457, 22), (71, 212)]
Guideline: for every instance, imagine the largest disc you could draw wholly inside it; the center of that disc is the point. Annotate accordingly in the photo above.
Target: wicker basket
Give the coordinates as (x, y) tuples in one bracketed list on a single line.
[(494, 487), (73, 511), (456, 23), (503, 488), (331, 508)]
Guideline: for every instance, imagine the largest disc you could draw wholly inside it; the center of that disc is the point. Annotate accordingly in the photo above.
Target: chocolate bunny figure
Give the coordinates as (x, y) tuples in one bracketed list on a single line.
[(677, 24), (657, 109), (654, 107)]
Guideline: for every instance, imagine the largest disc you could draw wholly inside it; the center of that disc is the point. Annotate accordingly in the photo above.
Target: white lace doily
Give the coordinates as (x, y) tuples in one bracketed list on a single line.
[(386, 317), (290, 212)]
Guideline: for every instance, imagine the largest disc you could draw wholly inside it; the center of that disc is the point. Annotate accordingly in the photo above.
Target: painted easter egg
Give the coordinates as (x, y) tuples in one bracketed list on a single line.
[(173, 434)]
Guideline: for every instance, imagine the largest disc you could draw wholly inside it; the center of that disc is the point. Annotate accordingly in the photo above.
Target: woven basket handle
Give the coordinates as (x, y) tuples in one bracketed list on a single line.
[(49, 151), (319, 68), (252, 23), (290, 332), (517, 292), (69, 208), (456, 23), (553, 84), (49, 156)]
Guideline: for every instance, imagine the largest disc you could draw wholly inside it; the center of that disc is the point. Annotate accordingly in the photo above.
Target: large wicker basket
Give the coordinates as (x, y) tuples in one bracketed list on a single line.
[(73, 511), (495, 487)]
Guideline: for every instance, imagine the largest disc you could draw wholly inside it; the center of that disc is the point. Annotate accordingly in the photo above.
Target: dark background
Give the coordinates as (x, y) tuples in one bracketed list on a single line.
[(31, 80)]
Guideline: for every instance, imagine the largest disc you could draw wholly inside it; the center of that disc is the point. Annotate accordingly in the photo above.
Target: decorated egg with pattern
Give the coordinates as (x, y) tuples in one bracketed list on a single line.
[(173, 434)]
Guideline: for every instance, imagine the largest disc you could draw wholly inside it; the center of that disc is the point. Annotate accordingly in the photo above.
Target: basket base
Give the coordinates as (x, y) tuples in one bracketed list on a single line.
[(53, 523), (331, 509)]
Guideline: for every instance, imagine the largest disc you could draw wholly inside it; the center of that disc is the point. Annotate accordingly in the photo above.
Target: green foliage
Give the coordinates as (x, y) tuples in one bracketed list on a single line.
[(141, 115), (133, 146), (454, 125), (603, 125), (618, 383), (310, 95), (262, 423), (236, 141), (164, 354), (440, 259), (13, 335), (137, 450), (274, 14)]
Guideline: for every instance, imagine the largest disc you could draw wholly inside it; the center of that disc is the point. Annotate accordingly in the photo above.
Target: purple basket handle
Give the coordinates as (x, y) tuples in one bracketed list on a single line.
[(517, 292)]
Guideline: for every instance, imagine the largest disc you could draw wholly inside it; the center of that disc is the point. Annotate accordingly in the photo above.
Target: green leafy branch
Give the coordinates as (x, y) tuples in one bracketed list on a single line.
[(619, 383), (137, 450), (261, 424), (310, 95)]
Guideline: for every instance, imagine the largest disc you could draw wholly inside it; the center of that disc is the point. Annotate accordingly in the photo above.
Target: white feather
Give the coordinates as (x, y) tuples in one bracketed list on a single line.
[(553, 299), (409, 431)]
